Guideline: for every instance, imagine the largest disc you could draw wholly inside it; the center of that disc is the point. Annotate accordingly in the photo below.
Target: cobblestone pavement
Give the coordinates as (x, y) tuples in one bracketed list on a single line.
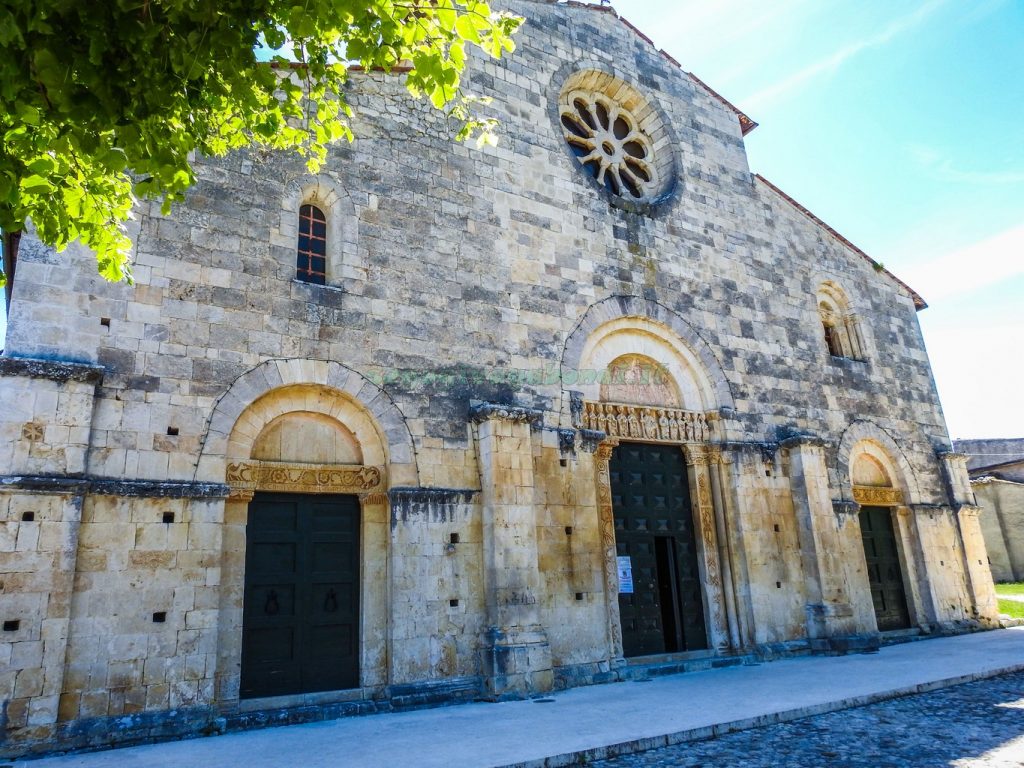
[(978, 725)]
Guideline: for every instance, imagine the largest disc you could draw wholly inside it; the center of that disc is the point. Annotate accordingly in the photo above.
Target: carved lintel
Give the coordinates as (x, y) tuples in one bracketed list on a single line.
[(648, 423), (871, 496), (248, 477)]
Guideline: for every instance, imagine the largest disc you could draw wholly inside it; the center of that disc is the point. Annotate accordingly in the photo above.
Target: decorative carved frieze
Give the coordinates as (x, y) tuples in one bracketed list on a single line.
[(247, 477), (648, 423), (872, 496)]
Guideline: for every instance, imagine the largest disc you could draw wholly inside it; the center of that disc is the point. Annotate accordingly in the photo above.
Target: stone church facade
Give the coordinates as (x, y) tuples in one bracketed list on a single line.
[(442, 424)]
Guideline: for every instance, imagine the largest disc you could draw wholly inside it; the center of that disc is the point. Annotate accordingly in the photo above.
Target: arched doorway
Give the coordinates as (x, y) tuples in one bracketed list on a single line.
[(649, 394), (304, 598), (873, 489)]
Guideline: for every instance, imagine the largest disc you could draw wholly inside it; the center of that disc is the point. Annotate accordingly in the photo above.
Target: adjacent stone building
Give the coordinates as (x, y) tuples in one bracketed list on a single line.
[(442, 423), (996, 469)]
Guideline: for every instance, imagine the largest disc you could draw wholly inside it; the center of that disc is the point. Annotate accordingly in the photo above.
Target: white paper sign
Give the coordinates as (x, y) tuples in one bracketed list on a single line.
[(625, 575)]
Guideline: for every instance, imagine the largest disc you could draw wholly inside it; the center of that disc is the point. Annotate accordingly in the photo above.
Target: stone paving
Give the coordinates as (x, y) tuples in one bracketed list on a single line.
[(976, 725)]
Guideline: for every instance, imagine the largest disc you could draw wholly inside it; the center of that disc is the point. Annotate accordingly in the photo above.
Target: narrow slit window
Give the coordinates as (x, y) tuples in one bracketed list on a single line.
[(311, 259), (832, 340)]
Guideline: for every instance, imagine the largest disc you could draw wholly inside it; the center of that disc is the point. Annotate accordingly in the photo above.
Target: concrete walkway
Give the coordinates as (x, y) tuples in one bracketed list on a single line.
[(593, 722)]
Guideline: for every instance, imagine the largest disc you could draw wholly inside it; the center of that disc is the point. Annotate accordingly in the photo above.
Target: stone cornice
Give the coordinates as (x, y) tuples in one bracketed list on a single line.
[(113, 486), (405, 496), (54, 370), (802, 441)]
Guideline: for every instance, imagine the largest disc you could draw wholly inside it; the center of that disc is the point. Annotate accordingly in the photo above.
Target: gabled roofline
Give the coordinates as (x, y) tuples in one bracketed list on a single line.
[(746, 124), (919, 303)]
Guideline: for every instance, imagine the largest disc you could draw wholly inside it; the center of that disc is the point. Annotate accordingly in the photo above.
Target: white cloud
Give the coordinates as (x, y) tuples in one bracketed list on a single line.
[(968, 269), (835, 60), (940, 168), (979, 379)]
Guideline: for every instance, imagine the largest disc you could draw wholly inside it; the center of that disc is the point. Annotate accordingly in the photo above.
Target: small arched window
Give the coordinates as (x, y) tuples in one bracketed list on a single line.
[(839, 324), (832, 337), (311, 257)]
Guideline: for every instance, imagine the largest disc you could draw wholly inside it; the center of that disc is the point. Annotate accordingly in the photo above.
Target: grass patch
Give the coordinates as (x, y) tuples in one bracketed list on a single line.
[(1013, 588), (1012, 608)]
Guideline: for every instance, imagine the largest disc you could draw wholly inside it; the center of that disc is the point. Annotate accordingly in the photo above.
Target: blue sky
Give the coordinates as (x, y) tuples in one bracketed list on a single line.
[(901, 124)]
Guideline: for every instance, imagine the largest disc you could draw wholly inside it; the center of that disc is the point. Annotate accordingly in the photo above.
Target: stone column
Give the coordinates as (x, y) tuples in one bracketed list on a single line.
[(517, 657), (697, 461), (606, 521), (831, 622), (921, 599)]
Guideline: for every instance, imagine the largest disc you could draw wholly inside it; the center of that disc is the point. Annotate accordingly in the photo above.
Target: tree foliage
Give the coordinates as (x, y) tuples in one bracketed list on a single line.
[(106, 100)]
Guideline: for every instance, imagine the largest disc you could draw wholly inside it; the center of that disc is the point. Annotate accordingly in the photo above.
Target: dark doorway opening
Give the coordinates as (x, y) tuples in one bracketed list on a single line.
[(300, 625), (655, 534), (884, 572)]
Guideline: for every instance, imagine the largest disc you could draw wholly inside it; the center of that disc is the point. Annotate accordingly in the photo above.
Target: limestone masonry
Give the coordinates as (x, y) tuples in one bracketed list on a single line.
[(444, 423)]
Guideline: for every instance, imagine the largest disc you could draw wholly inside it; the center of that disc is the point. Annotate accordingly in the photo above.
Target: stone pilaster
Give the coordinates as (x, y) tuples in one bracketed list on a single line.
[(979, 575), (517, 657), (711, 561), (606, 521), (832, 623)]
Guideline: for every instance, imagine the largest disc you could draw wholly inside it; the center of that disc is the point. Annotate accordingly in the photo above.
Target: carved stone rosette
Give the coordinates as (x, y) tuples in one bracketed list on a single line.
[(245, 478), (648, 423), (872, 496), (606, 521)]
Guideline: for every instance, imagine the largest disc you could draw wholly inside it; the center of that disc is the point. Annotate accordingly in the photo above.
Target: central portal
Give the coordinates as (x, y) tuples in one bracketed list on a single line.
[(655, 538)]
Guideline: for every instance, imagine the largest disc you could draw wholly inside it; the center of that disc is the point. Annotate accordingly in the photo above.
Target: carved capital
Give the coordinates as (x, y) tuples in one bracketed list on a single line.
[(485, 411), (243, 495), (374, 499), (605, 448)]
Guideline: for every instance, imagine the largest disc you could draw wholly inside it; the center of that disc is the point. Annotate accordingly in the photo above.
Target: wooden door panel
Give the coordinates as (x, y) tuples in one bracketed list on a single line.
[(650, 502), (301, 603), (885, 575)]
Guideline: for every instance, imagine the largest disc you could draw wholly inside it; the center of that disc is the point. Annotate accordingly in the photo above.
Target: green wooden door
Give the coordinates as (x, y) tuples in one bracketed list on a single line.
[(884, 572), (300, 627), (654, 529)]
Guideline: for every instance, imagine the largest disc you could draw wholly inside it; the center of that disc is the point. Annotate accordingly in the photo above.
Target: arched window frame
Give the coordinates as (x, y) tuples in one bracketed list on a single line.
[(841, 330), (344, 268)]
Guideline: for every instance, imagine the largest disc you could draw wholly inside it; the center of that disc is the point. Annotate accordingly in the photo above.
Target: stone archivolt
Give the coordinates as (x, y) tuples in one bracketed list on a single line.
[(641, 422), (870, 495), (248, 477)]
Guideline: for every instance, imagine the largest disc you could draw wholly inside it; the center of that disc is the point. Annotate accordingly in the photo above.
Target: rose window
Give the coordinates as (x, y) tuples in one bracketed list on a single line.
[(606, 140)]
